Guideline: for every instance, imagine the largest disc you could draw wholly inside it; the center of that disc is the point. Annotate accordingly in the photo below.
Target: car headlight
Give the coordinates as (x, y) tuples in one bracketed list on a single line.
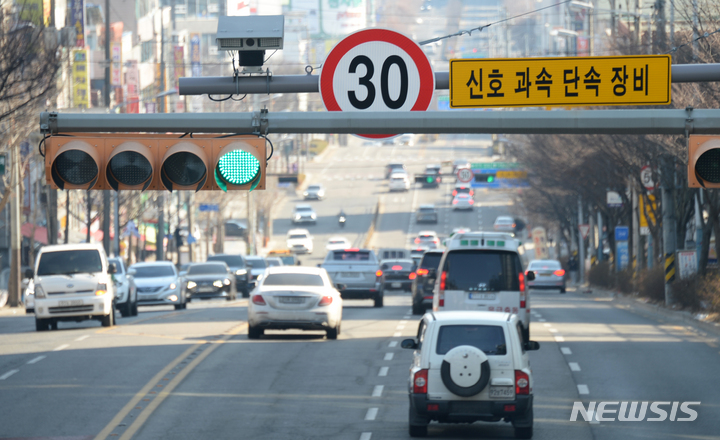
[(191, 284), (172, 286), (297, 216), (312, 216), (226, 281), (101, 289), (39, 292), (241, 272), (218, 283), (305, 193)]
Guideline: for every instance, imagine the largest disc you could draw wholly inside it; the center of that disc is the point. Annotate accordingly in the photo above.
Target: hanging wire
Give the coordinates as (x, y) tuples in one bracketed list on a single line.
[(689, 43)]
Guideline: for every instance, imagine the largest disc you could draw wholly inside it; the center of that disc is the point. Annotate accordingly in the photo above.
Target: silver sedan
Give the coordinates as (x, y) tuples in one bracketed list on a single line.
[(463, 201), (549, 274)]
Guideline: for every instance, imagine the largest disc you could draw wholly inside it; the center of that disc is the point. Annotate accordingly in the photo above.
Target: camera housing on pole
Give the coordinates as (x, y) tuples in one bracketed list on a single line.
[(251, 36)]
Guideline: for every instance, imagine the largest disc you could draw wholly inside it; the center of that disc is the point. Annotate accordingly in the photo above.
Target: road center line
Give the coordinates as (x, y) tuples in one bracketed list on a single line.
[(397, 335), (393, 344), (583, 389), (574, 366), (62, 347), (371, 414), (8, 374), (366, 436), (565, 350), (37, 359), (82, 338), (377, 391), (389, 356), (383, 371)]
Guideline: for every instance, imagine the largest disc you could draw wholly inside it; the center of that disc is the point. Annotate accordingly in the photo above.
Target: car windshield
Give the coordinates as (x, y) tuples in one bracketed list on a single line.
[(230, 260), (288, 260), (477, 270), (155, 271), (351, 255), (313, 187), (427, 209), (504, 221), (293, 279), (303, 209), (69, 262), (206, 269), (297, 236), (257, 263), (431, 260), (488, 338)]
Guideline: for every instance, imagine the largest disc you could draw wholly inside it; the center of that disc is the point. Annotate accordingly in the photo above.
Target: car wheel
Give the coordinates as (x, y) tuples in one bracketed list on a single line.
[(109, 319), (562, 290), (179, 306), (379, 301), (134, 308), (126, 309), (41, 325), (457, 370), (254, 332), (53, 325), (332, 333), (527, 430)]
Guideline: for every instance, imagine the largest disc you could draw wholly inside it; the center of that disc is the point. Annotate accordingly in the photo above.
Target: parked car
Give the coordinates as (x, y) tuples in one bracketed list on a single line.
[(468, 367), (5, 281), (549, 274), (304, 214), (295, 298), (426, 214), (73, 282), (399, 182), (237, 265), (213, 279), (424, 281), (397, 273), (126, 297), (257, 265), (158, 284), (300, 241), (358, 271), (314, 192)]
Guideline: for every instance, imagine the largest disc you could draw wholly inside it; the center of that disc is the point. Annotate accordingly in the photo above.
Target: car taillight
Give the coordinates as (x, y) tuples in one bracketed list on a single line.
[(559, 273), (378, 273), (443, 279), (454, 193), (417, 240), (471, 201), (521, 279), (522, 383), (513, 225), (259, 300), (325, 301), (455, 202), (412, 275), (422, 271), (472, 192), (420, 382)]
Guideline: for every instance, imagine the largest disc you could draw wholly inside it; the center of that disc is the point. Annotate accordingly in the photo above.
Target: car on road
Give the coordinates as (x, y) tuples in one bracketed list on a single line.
[(427, 239), (432, 177), (463, 201), (470, 366), (549, 274), (337, 243), (237, 265), (483, 271), (126, 297), (505, 223), (300, 241), (213, 279), (424, 281), (463, 188), (426, 214), (295, 298), (274, 261), (304, 214), (73, 282), (257, 266), (314, 192), (358, 273), (399, 182), (397, 273), (394, 167), (158, 284), (405, 139), (286, 255)]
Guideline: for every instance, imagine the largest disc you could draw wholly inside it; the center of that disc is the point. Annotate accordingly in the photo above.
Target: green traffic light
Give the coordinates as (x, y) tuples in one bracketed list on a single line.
[(490, 179), (429, 179), (237, 167)]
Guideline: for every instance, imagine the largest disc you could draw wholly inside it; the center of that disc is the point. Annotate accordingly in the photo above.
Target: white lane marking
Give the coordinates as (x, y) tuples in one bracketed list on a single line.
[(574, 366), (552, 330), (82, 338), (559, 339), (371, 414), (37, 359), (393, 344), (400, 327), (383, 371), (547, 325), (377, 391), (406, 317), (62, 347), (397, 335), (389, 356), (565, 350), (366, 436), (403, 322), (542, 320), (8, 374), (583, 389)]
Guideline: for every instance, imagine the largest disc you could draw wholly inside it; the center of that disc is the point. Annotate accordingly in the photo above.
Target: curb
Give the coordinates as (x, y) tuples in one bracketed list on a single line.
[(12, 311)]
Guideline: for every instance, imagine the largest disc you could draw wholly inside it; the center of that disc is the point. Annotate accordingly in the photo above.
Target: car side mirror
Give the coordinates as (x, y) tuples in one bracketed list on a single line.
[(532, 345), (29, 273), (340, 286), (318, 265), (112, 268), (530, 275), (409, 343)]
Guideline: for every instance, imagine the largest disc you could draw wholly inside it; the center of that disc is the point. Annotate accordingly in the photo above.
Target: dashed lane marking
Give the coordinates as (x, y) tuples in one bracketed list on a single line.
[(62, 347), (82, 338), (583, 389), (559, 339), (366, 436), (547, 325), (574, 366), (378, 390), (566, 350), (371, 414), (388, 356), (552, 330), (8, 374), (393, 344), (400, 327), (403, 321), (383, 371), (36, 360), (397, 334)]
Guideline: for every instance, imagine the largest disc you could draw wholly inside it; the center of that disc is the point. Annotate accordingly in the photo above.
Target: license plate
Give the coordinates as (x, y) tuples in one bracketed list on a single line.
[(350, 274), (206, 289), (501, 392), (482, 296), (396, 285), (77, 302), (291, 300)]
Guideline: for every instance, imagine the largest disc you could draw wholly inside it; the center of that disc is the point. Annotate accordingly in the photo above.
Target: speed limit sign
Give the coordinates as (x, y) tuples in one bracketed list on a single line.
[(465, 175), (377, 70)]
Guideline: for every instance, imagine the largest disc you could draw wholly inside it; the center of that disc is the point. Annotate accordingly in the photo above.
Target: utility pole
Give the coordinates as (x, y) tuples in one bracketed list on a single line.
[(89, 215), (600, 234), (52, 221), (161, 99), (581, 242), (67, 216), (107, 54), (116, 224), (190, 226), (159, 240), (635, 232), (14, 284), (669, 228), (638, 24)]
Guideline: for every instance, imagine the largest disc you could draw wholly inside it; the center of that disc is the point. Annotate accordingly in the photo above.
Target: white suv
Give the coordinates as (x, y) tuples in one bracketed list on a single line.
[(300, 241), (482, 271), (469, 367)]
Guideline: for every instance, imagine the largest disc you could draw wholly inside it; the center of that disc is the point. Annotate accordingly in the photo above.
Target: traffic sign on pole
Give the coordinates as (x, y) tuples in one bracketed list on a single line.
[(647, 178), (377, 70), (584, 229), (465, 175)]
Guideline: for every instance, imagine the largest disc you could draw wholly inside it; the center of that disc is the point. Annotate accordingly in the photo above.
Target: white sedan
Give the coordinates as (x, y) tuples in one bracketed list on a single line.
[(295, 297), (338, 243), (463, 201)]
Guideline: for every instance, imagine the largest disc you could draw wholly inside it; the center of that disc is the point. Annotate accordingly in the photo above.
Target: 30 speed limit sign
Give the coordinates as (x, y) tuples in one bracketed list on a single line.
[(377, 70), (465, 175)]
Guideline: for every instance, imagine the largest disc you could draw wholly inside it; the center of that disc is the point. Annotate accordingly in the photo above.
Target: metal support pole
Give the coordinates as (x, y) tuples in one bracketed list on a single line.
[(650, 252), (601, 234), (669, 229), (116, 224), (190, 225), (581, 241), (108, 57), (698, 228), (67, 216), (14, 284), (635, 232), (106, 222), (160, 239)]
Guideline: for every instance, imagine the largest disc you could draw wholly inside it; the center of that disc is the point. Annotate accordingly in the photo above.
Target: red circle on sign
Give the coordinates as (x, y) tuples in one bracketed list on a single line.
[(427, 77), (464, 175)]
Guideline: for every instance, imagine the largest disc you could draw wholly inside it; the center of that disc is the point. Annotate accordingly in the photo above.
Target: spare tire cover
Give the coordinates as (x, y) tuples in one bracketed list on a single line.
[(465, 371)]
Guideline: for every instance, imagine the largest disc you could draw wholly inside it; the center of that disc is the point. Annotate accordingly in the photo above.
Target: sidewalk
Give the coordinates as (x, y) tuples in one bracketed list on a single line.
[(12, 311)]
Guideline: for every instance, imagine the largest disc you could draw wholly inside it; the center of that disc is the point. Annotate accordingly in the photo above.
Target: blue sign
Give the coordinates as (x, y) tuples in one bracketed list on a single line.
[(622, 233), (207, 208), (622, 254)]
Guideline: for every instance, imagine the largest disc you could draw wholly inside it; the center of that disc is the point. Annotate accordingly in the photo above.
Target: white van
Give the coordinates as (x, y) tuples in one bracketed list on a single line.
[(483, 271), (73, 282)]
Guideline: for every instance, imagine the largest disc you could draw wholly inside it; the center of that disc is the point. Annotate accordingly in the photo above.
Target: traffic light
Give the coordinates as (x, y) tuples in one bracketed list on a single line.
[(704, 161), (485, 178), (156, 162)]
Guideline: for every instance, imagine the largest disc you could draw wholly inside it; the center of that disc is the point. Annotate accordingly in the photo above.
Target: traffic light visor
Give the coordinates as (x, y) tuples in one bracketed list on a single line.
[(184, 167), (238, 165), (704, 161), (130, 166), (708, 166), (75, 166)]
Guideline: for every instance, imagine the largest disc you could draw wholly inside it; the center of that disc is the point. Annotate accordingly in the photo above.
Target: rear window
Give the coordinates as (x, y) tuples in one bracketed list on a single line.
[(298, 236), (314, 187), (351, 255), (488, 338), (207, 269), (431, 261), (288, 261), (397, 265), (230, 260), (293, 279), (153, 271), (482, 270), (427, 209), (118, 265), (303, 208), (537, 265), (426, 236), (274, 263), (257, 263), (69, 262)]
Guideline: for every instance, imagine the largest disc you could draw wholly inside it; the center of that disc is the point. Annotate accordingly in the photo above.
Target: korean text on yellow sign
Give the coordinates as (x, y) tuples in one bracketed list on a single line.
[(565, 81)]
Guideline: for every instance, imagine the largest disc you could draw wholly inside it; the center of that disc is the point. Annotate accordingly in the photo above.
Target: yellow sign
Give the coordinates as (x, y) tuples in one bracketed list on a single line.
[(566, 81), (511, 175), (80, 79), (651, 210)]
